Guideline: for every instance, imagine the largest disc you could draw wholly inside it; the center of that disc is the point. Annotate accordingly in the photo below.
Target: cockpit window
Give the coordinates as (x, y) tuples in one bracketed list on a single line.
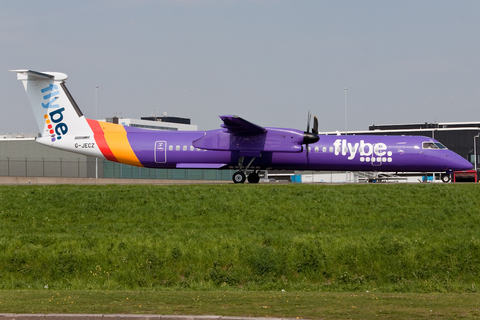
[(433, 145), (429, 145), (440, 146)]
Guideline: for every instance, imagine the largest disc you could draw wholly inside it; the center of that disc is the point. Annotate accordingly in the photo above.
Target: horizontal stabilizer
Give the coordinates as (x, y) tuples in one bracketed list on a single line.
[(25, 74)]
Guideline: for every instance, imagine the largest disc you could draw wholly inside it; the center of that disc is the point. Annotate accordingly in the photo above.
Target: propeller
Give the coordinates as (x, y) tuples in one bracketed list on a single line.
[(311, 137), (315, 125)]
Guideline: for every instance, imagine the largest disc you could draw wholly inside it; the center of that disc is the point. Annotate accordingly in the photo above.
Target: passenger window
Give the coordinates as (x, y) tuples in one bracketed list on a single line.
[(331, 149), (184, 148), (177, 148), (192, 148), (316, 149), (170, 148), (324, 149)]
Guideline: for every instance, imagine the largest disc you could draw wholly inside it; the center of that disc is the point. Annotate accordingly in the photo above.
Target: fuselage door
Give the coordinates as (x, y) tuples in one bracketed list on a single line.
[(376, 161), (160, 151)]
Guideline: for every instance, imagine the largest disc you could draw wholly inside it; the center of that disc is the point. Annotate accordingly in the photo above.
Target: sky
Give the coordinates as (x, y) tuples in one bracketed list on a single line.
[(268, 61)]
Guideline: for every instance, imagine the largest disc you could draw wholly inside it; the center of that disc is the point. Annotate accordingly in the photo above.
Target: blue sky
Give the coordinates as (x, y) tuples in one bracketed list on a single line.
[(269, 61)]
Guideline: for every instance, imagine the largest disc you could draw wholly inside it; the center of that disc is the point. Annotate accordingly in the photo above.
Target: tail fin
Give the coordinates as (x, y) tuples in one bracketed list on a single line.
[(63, 126), (55, 111)]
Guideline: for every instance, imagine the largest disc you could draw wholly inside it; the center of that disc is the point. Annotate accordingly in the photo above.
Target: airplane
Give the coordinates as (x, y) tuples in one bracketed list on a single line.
[(239, 144)]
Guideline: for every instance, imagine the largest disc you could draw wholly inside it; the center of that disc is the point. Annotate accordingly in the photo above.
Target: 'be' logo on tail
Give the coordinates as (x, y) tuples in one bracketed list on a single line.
[(55, 127)]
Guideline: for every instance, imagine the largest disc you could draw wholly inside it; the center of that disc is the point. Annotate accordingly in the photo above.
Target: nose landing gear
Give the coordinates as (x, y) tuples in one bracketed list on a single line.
[(446, 177)]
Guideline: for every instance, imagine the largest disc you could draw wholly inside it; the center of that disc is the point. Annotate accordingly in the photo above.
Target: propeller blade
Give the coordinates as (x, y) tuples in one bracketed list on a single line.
[(310, 137), (315, 125), (308, 121)]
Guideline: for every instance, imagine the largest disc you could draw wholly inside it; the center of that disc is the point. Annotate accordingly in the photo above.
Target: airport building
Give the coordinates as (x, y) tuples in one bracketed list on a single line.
[(156, 123), (21, 156)]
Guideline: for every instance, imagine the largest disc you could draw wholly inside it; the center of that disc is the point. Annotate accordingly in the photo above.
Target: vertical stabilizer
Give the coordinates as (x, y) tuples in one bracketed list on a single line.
[(60, 121), (55, 111)]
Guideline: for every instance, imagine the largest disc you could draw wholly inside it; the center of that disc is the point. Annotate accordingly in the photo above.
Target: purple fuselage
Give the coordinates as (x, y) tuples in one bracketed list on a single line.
[(279, 148)]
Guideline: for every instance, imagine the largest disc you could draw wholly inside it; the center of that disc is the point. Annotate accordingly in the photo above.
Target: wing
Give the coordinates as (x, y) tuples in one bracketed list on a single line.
[(241, 135), (237, 125)]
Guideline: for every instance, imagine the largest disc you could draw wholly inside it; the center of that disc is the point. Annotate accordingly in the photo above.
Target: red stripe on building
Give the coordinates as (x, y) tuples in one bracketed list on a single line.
[(100, 140)]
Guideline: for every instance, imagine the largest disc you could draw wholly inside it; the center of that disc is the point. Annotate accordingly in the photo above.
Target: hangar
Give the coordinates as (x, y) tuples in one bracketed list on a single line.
[(460, 137)]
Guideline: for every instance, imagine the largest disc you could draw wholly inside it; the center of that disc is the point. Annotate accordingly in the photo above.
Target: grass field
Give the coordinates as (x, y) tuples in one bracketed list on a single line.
[(303, 305), (421, 238)]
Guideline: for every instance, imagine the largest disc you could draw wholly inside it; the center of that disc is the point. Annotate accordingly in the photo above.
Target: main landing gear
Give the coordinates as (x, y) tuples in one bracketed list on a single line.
[(253, 177), (240, 176)]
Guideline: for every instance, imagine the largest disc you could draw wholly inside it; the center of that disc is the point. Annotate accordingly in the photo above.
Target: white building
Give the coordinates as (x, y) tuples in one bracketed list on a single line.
[(156, 123)]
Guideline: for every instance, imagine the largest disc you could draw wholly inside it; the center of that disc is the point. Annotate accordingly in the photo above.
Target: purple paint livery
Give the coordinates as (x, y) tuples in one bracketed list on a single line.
[(238, 144)]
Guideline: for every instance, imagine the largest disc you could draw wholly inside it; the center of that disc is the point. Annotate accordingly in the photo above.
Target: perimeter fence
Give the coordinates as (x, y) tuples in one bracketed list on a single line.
[(86, 168), (26, 167)]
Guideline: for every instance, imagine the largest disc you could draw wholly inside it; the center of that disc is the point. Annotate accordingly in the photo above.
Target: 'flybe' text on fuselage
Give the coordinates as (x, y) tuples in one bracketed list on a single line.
[(367, 151)]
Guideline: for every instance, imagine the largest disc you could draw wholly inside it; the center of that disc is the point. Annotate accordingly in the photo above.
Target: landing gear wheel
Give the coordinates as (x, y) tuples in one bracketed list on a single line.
[(446, 178), (239, 177), (253, 177)]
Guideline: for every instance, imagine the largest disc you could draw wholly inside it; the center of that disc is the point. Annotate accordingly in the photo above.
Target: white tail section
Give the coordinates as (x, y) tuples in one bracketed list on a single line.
[(60, 121), (55, 111)]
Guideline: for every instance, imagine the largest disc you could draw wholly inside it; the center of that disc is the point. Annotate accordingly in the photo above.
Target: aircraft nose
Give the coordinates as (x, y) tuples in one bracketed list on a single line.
[(459, 163)]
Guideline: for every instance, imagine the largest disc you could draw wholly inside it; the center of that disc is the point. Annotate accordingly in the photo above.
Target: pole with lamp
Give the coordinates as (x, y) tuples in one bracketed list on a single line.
[(346, 173), (345, 110), (96, 118), (475, 151)]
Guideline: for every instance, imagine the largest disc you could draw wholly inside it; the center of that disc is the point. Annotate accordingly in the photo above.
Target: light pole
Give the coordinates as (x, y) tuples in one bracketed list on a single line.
[(96, 118), (475, 150), (345, 110), (346, 173)]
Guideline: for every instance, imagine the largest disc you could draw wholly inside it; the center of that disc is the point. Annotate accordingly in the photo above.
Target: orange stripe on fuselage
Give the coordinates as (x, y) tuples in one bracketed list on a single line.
[(100, 140), (117, 141)]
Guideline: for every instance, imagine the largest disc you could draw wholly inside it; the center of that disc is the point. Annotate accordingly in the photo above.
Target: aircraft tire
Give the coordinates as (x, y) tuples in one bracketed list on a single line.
[(446, 178), (253, 177), (239, 177)]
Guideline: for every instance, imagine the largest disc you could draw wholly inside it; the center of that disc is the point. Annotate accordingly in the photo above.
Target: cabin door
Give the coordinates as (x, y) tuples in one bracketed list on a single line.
[(160, 151)]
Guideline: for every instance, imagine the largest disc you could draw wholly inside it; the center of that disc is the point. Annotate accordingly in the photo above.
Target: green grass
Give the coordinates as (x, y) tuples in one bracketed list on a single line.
[(351, 238), (304, 305)]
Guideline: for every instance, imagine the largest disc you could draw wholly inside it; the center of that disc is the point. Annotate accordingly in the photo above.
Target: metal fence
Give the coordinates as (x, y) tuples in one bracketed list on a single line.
[(69, 168), (122, 171), (85, 168)]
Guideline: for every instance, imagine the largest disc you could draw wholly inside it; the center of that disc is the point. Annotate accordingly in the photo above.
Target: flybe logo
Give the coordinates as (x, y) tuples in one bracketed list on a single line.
[(54, 119), (368, 152)]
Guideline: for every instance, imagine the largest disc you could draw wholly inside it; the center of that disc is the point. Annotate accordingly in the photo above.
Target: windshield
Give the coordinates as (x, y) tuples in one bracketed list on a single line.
[(440, 146), (433, 145)]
